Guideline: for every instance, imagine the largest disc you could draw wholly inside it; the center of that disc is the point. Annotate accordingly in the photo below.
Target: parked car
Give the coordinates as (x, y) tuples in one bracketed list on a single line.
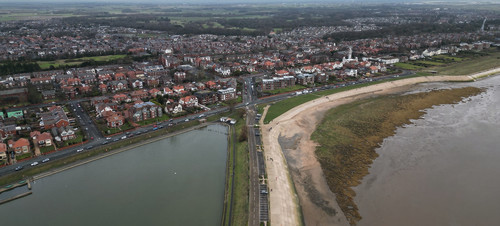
[(89, 147), (79, 150), (124, 137), (45, 160), (34, 163), (19, 168)]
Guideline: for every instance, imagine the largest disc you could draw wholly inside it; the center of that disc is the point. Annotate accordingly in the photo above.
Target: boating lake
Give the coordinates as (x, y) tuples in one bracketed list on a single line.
[(176, 181), (441, 170)]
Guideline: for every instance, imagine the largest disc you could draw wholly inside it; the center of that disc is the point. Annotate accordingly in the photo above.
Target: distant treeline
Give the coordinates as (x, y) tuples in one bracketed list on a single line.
[(406, 29)]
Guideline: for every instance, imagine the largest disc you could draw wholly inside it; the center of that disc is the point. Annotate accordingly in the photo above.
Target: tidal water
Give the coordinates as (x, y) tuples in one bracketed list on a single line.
[(175, 181), (441, 170)]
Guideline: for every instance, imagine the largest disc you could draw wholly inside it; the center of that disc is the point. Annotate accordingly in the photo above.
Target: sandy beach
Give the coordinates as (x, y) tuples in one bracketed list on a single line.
[(294, 174)]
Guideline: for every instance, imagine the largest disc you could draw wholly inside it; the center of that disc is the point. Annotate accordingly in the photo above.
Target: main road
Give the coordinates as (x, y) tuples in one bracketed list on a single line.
[(249, 102)]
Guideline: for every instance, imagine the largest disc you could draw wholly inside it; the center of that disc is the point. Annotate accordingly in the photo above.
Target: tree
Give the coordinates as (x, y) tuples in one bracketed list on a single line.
[(34, 96)]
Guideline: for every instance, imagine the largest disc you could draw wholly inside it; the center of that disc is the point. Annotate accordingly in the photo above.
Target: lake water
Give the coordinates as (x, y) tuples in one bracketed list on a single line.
[(175, 181), (441, 170)]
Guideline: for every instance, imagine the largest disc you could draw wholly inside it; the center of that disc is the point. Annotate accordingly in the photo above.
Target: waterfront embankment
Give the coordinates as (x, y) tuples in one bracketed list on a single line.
[(319, 205)]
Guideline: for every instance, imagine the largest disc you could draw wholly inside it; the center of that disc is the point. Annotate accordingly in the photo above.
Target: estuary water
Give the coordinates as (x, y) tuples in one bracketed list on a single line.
[(442, 169), (175, 181)]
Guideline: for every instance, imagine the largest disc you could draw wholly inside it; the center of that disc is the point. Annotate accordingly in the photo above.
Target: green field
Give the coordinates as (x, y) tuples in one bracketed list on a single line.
[(471, 66), (408, 66), (349, 134), (78, 61), (285, 90), (283, 106)]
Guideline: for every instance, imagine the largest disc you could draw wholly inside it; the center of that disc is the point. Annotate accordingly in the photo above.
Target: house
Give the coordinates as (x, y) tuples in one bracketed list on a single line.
[(188, 101), (211, 84), (173, 108), (70, 91), (226, 94), (55, 117), (351, 72), (43, 139), (167, 91), (15, 114), (21, 146), (7, 130), (116, 86), (206, 97), (120, 76), (138, 95), (115, 120), (48, 94), (143, 111), (99, 100), (119, 98), (179, 76), (103, 88), (153, 81), (63, 133), (200, 86), (282, 73), (178, 89), (21, 94), (136, 83), (154, 92), (321, 78), (3, 151), (305, 79)]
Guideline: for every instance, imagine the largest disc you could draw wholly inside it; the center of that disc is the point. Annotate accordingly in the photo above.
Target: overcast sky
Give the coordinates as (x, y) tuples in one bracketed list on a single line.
[(220, 1)]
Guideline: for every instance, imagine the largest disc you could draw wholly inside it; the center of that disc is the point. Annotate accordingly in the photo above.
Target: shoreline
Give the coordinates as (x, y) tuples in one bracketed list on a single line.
[(300, 122)]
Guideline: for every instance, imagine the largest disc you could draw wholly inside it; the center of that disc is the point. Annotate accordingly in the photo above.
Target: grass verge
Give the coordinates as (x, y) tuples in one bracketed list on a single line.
[(240, 194)]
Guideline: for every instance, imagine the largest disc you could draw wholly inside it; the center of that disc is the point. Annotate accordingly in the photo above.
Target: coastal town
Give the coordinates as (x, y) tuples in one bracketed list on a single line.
[(192, 74), (67, 88)]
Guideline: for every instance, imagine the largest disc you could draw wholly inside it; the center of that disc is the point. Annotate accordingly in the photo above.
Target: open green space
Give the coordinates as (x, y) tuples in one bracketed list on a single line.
[(349, 134), (472, 65), (407, 66), (285, 90), (78, 61), (283, 106)]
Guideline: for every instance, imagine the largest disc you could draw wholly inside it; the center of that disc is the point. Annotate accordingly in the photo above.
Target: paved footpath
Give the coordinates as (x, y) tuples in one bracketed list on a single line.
[(284, 204)]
